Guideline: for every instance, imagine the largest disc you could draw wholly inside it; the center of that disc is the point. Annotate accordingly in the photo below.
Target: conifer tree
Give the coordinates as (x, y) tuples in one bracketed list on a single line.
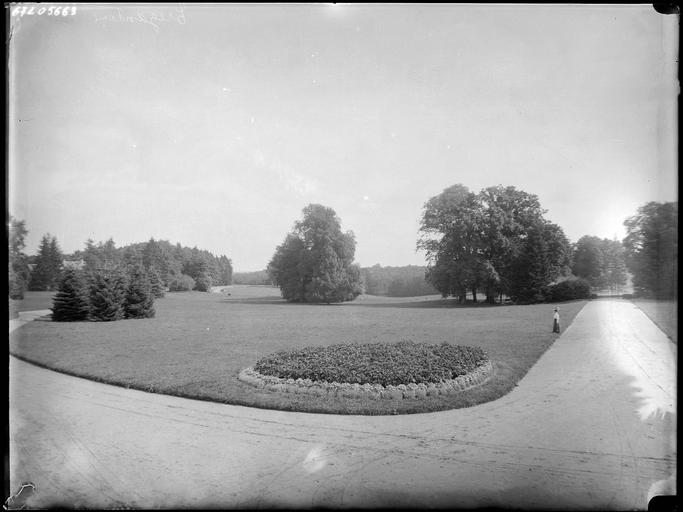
[(139, 301), (48, 265), (107, 296), (70, 304), (158, 287)]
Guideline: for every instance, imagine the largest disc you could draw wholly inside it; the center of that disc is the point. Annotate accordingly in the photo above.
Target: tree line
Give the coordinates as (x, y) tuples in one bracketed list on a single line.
[(406, 281), (171, 267), (495, 241)]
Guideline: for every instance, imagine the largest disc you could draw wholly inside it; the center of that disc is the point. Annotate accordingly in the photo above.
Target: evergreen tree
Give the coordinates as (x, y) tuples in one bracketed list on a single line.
[(139, 299), (107, 296), (70, 304), (48, 265), (157, 284)]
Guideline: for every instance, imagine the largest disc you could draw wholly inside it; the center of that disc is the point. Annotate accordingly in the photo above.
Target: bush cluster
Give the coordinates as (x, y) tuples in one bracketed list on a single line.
[(181, 283), (103, 296), (374, 363), (570, 289)]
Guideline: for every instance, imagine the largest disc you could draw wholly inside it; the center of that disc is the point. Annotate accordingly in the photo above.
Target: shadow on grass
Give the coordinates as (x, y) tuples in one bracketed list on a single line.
[(438, 303)]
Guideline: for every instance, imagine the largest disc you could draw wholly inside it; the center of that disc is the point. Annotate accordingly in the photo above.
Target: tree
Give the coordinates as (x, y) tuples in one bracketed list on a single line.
[(651, 249), (509, 215), (91, 256), (451, 236), (496, 241), (139, 298), (600, 262), (48, 265), (588, 260), (181, 283), (544, 256), (157, 284), (107, 295), (18, 275), (315, 261), (614, 265), (70, 303)]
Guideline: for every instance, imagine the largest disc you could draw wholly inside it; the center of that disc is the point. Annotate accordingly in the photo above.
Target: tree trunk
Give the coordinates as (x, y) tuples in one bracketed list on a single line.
[(474, 294)]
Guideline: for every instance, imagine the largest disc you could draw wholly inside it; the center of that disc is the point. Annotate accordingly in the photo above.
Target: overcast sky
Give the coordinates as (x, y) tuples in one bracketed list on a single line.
[(215, 125)]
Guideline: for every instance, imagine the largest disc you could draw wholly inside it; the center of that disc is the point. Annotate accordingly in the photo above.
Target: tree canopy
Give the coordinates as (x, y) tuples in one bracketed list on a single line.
[(496, 241), (651, 249), (18, 270), (315, 261), (600, 261)]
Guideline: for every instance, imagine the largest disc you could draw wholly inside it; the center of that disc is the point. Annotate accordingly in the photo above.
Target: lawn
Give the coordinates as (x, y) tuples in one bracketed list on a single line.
[(32, 301), (663, 313), (198, 343)]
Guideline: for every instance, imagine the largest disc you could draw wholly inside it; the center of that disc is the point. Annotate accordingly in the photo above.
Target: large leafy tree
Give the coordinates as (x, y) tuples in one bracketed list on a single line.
[(496, 241), (599, 261), (544, 255), (452, 237), (588, 260), (315, 261), (615, 274), (511, 216), (651, 249), (48, 265)]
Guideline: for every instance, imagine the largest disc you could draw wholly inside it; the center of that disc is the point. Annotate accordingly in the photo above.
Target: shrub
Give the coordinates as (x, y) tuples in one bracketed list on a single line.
[(570, 289), (70, 303), (107, 296), (203, 283), (181, 283), (374, 363)]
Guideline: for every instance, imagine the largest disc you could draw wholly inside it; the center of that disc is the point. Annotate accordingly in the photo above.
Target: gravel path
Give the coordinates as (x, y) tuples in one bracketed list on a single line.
[(591, 426)]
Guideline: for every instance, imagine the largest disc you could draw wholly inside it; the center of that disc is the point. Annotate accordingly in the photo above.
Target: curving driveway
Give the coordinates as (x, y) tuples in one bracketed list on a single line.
[(591, 426)]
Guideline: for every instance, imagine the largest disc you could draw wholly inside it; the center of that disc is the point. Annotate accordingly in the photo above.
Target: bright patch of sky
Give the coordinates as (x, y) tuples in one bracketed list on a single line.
[(215, 125)]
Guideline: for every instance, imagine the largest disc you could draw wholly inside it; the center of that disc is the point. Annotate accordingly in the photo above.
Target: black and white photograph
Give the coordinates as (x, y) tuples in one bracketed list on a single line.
[(342, 256)]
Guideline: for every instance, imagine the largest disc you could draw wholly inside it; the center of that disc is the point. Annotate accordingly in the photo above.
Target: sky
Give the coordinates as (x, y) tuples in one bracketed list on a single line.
[(215, 125)]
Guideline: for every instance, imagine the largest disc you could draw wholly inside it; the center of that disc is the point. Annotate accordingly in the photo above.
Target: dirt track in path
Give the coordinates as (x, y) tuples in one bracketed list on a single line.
[(591, 426)]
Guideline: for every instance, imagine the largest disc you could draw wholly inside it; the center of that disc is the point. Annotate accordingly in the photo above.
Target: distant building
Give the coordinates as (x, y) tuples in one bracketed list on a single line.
[(76, 264)]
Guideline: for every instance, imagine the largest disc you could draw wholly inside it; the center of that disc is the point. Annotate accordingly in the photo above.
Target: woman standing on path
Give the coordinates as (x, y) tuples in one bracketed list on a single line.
[(556, 320)]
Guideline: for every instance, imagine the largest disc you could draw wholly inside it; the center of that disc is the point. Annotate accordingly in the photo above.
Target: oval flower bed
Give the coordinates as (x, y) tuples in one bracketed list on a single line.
[(378, 370)]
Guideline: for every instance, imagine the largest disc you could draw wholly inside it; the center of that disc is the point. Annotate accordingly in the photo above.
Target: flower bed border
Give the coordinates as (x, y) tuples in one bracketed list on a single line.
[(373, 391)]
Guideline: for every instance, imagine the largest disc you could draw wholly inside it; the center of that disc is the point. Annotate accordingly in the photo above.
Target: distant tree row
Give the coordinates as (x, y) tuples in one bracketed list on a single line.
[(176, 266), (258, 277), (496, 241), (407, 281), (169, 266)]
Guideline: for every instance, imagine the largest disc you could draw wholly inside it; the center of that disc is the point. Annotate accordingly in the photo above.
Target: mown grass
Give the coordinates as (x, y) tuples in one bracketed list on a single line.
[(198, 343), (663, 313), (32, 301)]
